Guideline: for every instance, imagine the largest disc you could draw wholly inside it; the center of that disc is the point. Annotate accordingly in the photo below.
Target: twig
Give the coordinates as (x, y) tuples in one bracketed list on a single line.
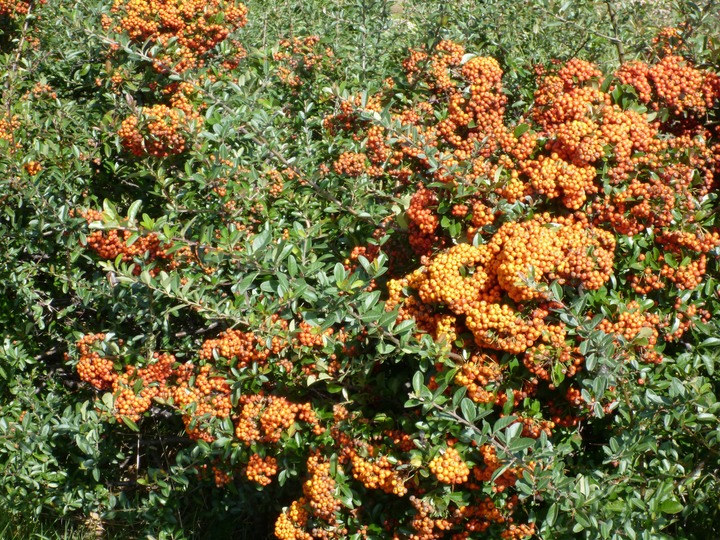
[(9, 82), (198, 332), (613, 21), (49, 352), (612, 39)]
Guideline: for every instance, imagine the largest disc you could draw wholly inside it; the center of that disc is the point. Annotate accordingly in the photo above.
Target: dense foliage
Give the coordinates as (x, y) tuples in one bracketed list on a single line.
[(359, 269)]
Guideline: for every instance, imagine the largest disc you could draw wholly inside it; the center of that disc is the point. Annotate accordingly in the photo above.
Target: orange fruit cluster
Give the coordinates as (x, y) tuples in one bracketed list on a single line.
[(449, 467), (200, 396), (8, 125), (312, 336), (447, 55), (114, 243), (299, 57), (579, 123), (477, 518), (517, 532), (378, 473), (414, 64), (350, 164), (541, 358), (639, 205), (633, 322), (461, 523), (93, 368), (291, 523), (276, 180), (244, 347), (348, 117), (318, 506), (669, 40), (481, 375), (554, 177), (222, 478), (261, 470), (424, 221), (160, 130), (424, 523), (32, 167), (319, 489), (265, 418), (533, 427), (16, 8), (135, 389), (484, 473), (421, 212), (486, 106), (674, 83), (197, 26), (470, 280)]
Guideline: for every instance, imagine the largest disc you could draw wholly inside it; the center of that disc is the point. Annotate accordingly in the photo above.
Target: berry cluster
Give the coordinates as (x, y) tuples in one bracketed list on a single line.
[(449, 467), (485, 472), (8, 125), (378, 473), (674, 83), (481, 375), (160, 130), (470, 281), (131, 247), (291, 523), (243, 347), (201, 395), (319, 489), (32, 167), (197, 27), (266, 418), (91, 366), (350, 164), (135, 389), (634, 324), (300, 58), (260, 470), (15, 9)]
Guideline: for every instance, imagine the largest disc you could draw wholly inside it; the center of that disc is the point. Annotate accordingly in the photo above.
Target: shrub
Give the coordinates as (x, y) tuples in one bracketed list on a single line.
[(385, 285)]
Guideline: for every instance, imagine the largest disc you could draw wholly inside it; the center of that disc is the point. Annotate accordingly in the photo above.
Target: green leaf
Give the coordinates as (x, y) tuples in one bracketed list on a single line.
[(129, 422), (468, 409), (339, 273), (502, 423), (551, 515), (261, 240), (133, 211), (520, 130), (418, 382), (109, 210), (671, 506)]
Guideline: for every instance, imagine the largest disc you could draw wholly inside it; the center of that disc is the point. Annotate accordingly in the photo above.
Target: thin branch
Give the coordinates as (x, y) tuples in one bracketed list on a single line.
[(613, 21), (612, 39), (9, 82)]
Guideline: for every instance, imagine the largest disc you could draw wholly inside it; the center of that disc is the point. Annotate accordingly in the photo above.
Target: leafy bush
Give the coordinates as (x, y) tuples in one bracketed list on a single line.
[(402, 270)]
